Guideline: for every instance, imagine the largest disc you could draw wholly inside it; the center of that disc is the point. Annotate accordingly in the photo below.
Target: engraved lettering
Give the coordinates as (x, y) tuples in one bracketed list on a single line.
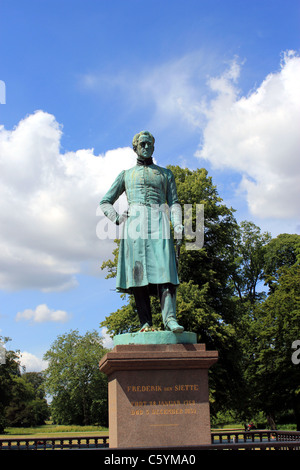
[(168, 411), (158, 388), (185, 387), (169, 402), (144, 388)]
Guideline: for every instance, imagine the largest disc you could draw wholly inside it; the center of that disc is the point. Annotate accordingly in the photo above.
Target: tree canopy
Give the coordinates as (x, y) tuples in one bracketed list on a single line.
[(73, 379), (22, 396)]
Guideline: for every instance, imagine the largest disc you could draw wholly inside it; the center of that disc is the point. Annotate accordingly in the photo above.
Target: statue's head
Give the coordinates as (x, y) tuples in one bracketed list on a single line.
[(143, 144)]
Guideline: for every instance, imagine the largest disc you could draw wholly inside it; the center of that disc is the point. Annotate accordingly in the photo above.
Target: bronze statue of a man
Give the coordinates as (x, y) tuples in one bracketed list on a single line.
[(147, 261)]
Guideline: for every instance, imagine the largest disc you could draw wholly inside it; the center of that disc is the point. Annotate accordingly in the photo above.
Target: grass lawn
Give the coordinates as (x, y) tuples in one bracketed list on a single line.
[(55, 430)]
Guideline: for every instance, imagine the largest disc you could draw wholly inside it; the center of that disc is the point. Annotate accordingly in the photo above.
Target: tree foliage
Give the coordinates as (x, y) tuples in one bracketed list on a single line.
[(249, 251), (22, 397), (213, 264), (267, 328), (73, 379), (283, 251), (275, 326)]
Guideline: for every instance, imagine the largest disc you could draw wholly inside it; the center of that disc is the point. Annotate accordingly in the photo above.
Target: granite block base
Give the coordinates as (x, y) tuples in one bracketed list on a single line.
[(158, 394)]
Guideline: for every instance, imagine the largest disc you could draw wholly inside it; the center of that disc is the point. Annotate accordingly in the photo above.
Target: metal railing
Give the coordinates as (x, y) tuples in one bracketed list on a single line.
[(54, 443), (258, 439), (263, 435), (230, 440)]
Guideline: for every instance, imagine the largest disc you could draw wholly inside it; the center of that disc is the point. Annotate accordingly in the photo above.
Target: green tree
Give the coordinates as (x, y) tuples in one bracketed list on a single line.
[(73, 379), (281, 251), (36, 379), (21, 403), (270, 372), (9, 369), (249, 251), (259, 260), (213, 264), (39, 405), (25, 407)]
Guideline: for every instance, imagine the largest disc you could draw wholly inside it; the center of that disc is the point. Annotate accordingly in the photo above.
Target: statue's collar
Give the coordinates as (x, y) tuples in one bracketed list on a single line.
[(144, 161)]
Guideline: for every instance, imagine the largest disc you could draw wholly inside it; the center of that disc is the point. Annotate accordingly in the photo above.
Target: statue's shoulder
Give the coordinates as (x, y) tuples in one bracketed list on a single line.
[(129, 170), (165, 171)]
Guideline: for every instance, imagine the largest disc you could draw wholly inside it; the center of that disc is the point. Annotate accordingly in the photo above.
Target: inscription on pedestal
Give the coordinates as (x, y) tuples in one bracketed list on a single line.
[(162, 405)]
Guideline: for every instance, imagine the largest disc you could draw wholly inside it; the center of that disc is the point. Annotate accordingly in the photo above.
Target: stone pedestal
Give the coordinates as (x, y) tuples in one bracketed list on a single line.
[(158, 394)]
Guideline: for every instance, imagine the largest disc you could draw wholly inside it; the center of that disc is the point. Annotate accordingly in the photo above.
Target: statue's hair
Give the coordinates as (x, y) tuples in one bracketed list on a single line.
[(135, 140)]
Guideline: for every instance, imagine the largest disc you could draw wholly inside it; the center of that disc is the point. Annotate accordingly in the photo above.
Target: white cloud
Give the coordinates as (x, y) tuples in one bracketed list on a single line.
[(42, 314), (171, 92), (107, 340), (175, 89), (258, 136), (32, 363), (48, 204)]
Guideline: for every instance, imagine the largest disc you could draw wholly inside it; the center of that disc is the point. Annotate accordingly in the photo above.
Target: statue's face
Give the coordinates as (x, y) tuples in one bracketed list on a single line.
[(145, 147)]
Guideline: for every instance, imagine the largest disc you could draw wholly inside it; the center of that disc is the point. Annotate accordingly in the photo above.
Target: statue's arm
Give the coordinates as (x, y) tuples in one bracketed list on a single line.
[(107, 202)]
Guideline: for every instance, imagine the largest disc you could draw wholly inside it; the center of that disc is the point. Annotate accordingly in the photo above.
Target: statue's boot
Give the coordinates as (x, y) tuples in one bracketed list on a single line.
[(142, 302), (167, 297), (145, 327)]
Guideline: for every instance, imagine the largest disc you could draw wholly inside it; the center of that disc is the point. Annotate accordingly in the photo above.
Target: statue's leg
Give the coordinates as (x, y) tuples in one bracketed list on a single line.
[(142, 302), (167, 297)]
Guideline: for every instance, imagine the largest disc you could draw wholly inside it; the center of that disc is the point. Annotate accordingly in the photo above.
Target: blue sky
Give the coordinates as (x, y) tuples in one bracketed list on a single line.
[(215, 81)]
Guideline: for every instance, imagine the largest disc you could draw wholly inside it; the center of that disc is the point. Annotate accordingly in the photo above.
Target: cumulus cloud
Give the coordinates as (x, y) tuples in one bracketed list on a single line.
[(175, 88), (258, 136), (48, 205), (170, 93), (42, 314), (107, 340), (32, 363)]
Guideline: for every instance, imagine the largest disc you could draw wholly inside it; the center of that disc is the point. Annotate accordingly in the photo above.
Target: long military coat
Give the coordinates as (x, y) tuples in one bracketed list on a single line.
[(146, 252)]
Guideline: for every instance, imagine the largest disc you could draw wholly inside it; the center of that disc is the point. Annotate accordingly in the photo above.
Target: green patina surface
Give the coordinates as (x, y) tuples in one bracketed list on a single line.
[(156, 337), (146, 250)]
